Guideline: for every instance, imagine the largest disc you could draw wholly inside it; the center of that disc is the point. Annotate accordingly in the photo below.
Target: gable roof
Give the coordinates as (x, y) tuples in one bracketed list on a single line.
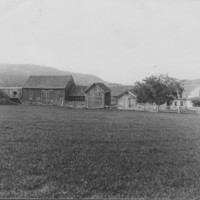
[(188, 89), (78, 90), (129, 91), (118, 90), (194, 94), (101, 85), (47, 82)]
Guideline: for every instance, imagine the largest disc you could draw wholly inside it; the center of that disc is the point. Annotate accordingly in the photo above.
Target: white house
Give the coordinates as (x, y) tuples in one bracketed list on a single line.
[(183, 100), (127, 100)]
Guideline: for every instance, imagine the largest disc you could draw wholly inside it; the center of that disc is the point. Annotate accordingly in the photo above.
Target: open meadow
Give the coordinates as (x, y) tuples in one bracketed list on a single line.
[(56, 152)]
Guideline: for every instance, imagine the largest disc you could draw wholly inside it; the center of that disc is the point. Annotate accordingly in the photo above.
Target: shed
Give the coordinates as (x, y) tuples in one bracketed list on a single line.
[(127, 100), (77, 93), (117, 90), (47, 89), (97, 96)]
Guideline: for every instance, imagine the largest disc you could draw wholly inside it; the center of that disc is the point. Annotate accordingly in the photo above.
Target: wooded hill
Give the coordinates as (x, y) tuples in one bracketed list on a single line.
[(15, 75)]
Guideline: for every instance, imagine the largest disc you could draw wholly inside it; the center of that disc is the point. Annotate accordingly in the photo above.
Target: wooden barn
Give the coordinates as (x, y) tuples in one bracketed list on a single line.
[(53, 90), (98, 96), (77, 93), (127, 100)]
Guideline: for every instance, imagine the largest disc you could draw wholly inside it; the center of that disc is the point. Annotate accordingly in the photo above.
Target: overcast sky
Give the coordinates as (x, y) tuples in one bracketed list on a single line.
[(119, 40)]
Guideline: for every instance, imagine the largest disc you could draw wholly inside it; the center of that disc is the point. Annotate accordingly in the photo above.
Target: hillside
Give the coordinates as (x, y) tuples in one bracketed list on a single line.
[(16, 75)]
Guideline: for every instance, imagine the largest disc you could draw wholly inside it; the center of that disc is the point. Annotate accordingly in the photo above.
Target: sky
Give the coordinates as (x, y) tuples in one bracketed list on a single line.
[(120, 41)]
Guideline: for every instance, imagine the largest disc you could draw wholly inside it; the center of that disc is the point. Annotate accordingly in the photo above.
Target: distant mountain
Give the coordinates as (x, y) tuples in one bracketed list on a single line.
[(15, 75), (195, 82)]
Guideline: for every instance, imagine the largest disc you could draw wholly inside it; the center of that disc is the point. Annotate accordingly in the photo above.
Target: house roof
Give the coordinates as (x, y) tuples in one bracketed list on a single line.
[(45, 82), (188, 89), (129, 91), (101, 85), (118, 90), (78, 90)]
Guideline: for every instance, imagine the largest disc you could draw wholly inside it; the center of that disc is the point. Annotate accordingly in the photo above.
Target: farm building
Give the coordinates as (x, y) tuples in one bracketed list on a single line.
[(184, 99), (127, 100), (47, 89), (97, 96), (12, 92), (77, 93), (117, 90), (77, 97)]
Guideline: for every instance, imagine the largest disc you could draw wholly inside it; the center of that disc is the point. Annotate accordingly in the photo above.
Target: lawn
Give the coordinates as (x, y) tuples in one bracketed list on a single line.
[(58, 153)]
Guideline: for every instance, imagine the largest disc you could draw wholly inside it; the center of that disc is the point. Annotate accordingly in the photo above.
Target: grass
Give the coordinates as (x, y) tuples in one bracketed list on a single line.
[(65, 153)]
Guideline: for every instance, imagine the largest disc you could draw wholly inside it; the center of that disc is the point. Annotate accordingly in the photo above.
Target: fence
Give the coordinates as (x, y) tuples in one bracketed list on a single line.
[(163, 108)]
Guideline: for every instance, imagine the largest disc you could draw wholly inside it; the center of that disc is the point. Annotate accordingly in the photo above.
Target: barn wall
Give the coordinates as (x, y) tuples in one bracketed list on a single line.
[(67, 89), (75, 104), (76, 98), (95, 98), (107, 99), (43, 96)]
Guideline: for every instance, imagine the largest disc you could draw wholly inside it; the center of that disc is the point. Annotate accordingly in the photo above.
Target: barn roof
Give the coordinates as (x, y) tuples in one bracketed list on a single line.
[(10, 88), (45, 82), (78, 90), (101, 85)]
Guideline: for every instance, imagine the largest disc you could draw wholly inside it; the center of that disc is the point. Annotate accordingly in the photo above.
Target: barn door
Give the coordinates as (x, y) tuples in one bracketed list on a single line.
[(129, 102), (44, 95)]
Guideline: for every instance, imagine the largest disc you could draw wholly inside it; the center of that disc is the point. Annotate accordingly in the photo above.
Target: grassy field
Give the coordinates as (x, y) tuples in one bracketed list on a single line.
[(56, 152)]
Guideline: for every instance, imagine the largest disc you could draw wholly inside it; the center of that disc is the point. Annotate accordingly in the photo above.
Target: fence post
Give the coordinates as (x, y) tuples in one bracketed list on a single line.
[(179, 110)]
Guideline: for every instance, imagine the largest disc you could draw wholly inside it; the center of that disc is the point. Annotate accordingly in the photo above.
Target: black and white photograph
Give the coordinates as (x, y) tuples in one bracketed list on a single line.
[(100, 99)]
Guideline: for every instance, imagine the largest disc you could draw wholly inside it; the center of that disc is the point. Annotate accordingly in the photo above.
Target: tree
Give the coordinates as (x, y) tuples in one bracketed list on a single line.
[(158, 89)]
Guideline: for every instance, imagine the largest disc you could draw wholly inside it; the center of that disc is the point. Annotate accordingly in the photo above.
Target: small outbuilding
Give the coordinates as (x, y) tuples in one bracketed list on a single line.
[(97, 96), (127, 100), (47, 89), (117, 90)]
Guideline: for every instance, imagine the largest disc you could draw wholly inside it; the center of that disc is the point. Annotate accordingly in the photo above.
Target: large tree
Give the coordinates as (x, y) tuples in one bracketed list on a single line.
[(158, 89)]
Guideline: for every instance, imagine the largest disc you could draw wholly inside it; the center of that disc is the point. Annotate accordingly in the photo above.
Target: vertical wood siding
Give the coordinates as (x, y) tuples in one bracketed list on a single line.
[(107, 99), (43, 95), (96, 98)]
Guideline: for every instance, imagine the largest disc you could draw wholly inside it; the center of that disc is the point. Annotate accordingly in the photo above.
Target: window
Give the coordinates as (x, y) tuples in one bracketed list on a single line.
[(175, 103), (181, 103)]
